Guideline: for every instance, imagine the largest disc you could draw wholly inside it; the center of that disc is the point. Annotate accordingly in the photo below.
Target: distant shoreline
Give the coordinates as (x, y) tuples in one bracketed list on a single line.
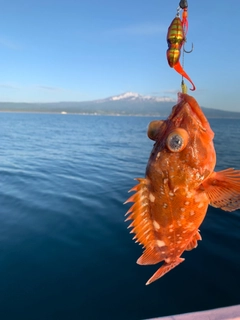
[(107, 114), (128, 104)]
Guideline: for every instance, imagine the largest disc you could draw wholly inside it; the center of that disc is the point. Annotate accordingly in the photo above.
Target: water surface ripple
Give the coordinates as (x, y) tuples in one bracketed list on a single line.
[(65, 252)]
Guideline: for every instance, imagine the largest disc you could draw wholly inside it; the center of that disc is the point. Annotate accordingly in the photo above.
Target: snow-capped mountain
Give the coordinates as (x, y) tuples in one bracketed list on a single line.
[(135, 104), (127, 95), (132, 96)]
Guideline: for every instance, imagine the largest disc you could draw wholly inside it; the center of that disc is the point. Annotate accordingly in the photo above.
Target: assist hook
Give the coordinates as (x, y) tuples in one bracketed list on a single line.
[(189, 50), (183, 4)]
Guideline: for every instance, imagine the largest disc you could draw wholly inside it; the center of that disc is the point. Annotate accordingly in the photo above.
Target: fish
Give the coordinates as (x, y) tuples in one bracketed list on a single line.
[(171, 202)]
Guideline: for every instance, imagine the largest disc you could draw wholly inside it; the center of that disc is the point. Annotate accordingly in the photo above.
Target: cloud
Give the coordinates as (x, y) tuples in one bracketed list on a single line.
[(29, 87), (8, 86)]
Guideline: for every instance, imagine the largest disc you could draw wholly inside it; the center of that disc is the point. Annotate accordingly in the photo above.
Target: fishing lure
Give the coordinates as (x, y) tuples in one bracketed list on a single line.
[(176, 38)]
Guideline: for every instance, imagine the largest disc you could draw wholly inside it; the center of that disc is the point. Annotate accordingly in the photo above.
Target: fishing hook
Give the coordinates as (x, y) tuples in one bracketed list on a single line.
[(189, 50)]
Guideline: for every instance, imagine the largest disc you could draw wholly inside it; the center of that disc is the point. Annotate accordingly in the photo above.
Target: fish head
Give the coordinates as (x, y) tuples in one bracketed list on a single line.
[(183, 143)]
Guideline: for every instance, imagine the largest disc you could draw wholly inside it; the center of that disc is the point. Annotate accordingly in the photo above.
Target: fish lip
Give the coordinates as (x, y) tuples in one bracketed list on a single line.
[(188, 104), (194, 107), (195, 115)]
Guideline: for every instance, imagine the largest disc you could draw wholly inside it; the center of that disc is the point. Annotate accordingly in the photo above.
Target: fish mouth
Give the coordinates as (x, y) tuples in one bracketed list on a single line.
[(188, 105)]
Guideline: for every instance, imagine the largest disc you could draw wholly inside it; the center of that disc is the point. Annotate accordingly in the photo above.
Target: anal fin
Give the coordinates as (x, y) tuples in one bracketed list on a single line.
[(193, 243), (166, 267), (149, 256), (223, 189)]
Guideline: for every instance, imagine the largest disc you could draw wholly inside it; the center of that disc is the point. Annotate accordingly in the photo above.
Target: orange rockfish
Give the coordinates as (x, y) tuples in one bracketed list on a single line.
[(171, 202)]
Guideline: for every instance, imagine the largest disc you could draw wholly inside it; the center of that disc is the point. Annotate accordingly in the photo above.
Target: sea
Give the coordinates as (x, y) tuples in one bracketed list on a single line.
[(65, 250)]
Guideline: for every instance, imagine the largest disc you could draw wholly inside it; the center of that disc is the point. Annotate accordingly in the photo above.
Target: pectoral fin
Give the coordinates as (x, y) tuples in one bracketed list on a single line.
[(223, 189)]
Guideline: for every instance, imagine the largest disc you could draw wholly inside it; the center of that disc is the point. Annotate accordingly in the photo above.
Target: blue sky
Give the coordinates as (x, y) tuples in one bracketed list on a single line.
[(76, 50)]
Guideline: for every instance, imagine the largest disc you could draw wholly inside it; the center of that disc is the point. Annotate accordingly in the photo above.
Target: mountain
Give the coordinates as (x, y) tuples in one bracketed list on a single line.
[(131, 103), (128, 103), (132, 96)]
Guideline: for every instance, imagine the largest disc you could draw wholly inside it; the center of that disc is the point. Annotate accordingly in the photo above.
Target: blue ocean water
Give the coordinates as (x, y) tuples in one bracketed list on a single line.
[(65, 251)]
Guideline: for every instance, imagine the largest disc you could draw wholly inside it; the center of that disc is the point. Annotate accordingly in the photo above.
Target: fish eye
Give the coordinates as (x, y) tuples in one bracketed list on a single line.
[(177, 140), (153, 128)]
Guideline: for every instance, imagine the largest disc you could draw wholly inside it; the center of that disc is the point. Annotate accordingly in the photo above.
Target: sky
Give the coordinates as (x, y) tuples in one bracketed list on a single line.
[(79, 50)]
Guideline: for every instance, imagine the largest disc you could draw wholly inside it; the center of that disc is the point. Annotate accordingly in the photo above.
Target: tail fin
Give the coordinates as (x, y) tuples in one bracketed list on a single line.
[(164, 269)]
